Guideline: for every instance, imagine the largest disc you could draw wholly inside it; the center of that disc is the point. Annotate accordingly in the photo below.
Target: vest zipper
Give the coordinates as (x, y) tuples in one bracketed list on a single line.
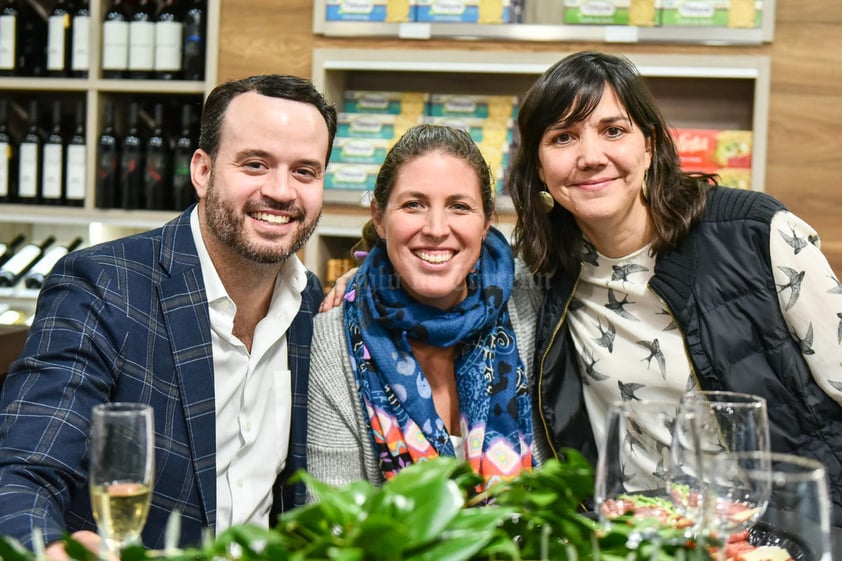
[(544, 358)]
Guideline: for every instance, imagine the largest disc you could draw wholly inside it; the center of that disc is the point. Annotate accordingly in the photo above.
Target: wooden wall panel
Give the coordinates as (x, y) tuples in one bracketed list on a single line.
[(805, 114)]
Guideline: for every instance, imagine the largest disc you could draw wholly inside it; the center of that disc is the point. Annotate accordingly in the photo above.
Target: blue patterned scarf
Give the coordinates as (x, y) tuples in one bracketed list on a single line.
[(495, 409)]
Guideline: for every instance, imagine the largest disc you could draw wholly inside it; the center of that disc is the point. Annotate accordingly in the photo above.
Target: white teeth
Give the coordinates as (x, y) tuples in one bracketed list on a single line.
[(435, 257), (273, 218)]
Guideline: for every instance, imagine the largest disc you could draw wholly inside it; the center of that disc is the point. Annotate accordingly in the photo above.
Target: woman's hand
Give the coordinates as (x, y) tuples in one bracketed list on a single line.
[(334, 296)]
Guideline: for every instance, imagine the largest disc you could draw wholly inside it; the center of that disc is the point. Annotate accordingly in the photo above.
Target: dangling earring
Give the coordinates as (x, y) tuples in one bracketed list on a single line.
[(545, 200), (645, 187)]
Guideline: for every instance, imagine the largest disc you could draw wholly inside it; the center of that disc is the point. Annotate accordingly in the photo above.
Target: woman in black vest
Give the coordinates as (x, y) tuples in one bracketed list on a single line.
[(660, 281)]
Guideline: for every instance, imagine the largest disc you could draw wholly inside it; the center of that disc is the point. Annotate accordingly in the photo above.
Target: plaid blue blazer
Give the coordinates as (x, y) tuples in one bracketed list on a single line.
[(127, 321)]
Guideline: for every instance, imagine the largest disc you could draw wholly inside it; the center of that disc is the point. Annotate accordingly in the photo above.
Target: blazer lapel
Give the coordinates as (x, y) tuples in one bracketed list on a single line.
[(185, 308)]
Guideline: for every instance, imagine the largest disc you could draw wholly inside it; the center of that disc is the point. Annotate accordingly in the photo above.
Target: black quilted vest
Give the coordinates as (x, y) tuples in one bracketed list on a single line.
[(719, 286)]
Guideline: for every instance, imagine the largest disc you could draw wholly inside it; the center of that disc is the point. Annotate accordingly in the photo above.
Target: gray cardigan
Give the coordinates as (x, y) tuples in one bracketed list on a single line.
[(339, 447)]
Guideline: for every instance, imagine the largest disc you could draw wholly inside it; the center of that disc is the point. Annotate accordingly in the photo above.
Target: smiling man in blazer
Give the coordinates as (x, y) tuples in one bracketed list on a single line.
[(207, 319)]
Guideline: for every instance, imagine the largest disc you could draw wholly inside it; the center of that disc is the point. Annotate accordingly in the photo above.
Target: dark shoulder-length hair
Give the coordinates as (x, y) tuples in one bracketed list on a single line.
[(568, 92), (414, 143), (282, 86)]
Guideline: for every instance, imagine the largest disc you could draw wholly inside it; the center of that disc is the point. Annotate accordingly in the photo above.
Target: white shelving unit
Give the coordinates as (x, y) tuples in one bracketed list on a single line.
[(95, 225), (694, 91), (541, 31)]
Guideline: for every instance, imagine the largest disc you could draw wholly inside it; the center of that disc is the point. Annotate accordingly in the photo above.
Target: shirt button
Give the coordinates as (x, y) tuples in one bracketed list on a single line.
[(240, 483)]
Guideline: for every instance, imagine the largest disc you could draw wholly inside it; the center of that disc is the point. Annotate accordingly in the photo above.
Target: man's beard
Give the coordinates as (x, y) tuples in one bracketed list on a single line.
[(226, 225)]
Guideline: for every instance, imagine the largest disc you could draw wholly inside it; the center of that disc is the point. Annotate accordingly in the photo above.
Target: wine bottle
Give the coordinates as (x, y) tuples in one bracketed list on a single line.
[(169, 36), (34, 278), (131, 161), (183, 192), (142, 41), (158, 177), (8, 249), (8, 37), (8, 173), (108, 162), (32, 38), (30, 153), (76, 170), (52, 182), (19, 264), (115, 41), (58, 39), (80, 46), (193, 65)]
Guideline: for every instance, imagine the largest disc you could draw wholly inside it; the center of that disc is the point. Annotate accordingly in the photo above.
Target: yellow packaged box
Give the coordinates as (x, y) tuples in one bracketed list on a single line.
[(392, 11), (610, 12), (395, 103), (463, 11)]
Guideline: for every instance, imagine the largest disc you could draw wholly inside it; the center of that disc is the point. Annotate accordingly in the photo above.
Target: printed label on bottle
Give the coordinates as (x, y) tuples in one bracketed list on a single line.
[(115, 45), (76, 160), (5, 154), (141, 45), (51, 184), (168, 45), (28, 176), (81, 40), (56, 28), (7, 42)]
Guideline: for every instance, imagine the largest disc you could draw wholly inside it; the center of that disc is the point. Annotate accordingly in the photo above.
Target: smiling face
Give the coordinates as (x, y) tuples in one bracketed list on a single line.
[(594, 168), (262, 196), (433, 224)]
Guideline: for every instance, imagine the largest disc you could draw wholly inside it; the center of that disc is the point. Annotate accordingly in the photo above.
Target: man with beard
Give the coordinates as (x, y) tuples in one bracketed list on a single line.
[(207, 319)]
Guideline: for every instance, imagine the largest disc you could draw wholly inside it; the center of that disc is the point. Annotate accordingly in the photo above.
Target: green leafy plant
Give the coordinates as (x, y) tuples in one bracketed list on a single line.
[(432, 511)]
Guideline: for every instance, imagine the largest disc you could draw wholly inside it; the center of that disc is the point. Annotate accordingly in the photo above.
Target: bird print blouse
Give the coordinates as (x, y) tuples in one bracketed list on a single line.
[(629, 348)]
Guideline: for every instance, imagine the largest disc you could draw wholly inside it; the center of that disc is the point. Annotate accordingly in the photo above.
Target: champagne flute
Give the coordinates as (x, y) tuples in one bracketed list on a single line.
[(121, 471), (727, 425), (632, 465)]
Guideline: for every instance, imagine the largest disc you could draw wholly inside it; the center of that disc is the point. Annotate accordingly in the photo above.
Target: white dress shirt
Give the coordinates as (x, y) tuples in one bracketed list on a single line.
[(252, 393)]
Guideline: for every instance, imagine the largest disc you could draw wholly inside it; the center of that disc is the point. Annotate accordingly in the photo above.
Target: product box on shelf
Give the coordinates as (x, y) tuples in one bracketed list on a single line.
[(611, 12), (394, 103), (463, 11), (725, 152), (342, 175), (714, 13), (480, 129), (351, 150), (485, 106), (497, 156), (373, 125), (391, 11)]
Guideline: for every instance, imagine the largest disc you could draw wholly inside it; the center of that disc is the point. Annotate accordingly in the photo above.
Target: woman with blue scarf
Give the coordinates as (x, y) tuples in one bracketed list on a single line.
[(429, 354)]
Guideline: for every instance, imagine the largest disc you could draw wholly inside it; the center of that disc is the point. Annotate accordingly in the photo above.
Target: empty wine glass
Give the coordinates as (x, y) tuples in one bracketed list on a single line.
[(632, 464), (121, 471), (797, 517), (708, 460)]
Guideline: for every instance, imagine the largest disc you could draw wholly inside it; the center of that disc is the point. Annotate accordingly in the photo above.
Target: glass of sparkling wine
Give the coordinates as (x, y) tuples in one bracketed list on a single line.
[(121, 471)]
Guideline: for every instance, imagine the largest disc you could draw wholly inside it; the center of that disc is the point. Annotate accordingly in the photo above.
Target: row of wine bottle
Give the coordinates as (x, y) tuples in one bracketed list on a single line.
[(139, 39), (138, 171), (43, 167), (141, 42), (29, 264)]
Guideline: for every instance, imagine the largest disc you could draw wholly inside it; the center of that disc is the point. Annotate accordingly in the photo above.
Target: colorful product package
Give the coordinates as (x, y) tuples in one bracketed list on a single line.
[(391, 11), (463, 11)]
